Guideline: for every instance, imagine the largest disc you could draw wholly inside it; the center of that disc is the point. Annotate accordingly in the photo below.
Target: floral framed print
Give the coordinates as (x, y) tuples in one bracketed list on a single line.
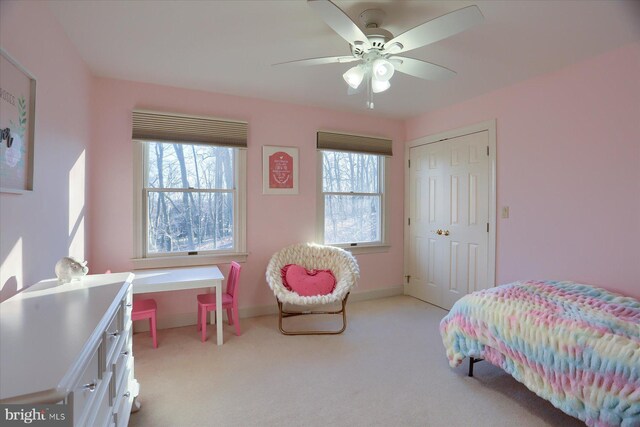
[(279, 170), (17, 125)]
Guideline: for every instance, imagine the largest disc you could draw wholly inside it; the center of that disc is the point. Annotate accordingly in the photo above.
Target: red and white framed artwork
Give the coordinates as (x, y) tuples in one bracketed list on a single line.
[(279, 170)]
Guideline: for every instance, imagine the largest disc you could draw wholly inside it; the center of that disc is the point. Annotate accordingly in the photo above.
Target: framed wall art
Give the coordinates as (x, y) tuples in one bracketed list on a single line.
[(17, 124), (279, 170)]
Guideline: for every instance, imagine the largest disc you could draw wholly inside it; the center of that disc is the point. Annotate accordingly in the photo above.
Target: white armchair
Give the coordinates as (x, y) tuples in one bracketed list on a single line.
[(312, 256)]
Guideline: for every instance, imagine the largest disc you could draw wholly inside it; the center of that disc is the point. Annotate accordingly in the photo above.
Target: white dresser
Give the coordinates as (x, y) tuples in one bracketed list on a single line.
[(71, 344)]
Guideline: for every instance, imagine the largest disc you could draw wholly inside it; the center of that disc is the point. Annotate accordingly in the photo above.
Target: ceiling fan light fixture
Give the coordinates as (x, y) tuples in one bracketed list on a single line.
[(378, 86), (354, 76), (382, 70)]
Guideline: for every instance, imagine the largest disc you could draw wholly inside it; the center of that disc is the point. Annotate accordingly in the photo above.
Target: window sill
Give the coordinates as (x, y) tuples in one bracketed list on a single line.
[(187, 261), (366, 249)]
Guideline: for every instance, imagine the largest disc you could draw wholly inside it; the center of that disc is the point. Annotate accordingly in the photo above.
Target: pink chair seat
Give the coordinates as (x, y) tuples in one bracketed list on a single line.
[(207, 302), (142, 308), (146, 309), (210, 299)]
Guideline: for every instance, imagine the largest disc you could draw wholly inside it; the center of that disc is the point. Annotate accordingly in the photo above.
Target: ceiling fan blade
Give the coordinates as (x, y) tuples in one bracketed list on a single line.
[(437, 29), (320, 61), (421, 69), (334, 17)]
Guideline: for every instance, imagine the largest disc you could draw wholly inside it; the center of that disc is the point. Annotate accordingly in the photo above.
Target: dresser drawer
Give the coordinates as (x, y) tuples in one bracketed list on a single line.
[(83, 394), (128, 306), (101, 407), (120, 368), (124, 384), (113, 333), (124, 399)]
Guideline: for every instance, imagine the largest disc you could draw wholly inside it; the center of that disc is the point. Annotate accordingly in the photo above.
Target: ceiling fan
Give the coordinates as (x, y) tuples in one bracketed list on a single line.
[(376, 49)]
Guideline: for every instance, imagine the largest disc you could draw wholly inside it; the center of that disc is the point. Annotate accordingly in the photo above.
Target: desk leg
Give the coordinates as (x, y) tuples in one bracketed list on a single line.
[(219, 313)]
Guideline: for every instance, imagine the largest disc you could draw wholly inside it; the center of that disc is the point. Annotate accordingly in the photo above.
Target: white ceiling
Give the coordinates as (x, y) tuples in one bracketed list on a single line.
[(229, 46)]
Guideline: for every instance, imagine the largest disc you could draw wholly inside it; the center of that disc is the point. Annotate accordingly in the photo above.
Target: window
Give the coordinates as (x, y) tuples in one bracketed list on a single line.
[(189, 198), (189, 205), (353, 198)]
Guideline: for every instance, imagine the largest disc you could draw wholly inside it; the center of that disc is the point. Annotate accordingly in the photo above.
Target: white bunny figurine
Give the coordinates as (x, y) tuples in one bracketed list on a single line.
[(70, 268)]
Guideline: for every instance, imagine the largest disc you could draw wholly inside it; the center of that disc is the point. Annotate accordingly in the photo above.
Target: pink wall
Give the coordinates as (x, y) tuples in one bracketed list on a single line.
[(38, 228), (568, 168), (272, 221)]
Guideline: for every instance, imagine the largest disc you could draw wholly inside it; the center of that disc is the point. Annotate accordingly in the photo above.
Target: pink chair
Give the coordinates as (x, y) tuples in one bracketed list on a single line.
[(207, 302), (146, 309)]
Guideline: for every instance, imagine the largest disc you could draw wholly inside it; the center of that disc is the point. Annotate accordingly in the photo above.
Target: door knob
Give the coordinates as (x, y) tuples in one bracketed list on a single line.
[(446, 232), (439, 232)]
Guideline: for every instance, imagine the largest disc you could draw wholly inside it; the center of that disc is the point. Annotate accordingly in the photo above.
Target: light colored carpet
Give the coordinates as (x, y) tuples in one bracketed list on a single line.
[(387, 369)]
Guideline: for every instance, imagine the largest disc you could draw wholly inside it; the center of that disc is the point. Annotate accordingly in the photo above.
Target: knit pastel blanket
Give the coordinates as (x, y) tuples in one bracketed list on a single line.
[(574, 345)]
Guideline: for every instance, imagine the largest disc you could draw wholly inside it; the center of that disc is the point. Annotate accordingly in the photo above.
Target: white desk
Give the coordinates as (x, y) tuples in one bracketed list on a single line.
[(176, 279)]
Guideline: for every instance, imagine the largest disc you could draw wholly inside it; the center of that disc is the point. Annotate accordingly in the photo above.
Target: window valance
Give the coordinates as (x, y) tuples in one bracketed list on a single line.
[(157, 126), (353, 143)]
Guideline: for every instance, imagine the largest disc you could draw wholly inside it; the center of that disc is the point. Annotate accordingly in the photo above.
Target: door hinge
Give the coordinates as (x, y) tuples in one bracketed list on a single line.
[(408, 276), (487, 227), (408, 221), (487, 150), (409, 163)]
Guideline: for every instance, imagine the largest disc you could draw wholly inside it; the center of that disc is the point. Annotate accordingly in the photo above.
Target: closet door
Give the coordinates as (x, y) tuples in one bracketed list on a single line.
[(449, 212)]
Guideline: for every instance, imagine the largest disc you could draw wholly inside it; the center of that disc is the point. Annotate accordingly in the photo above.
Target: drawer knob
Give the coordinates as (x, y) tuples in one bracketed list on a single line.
[(129, 304), (125, 353), (127, 394), (91, 387), (114, 334)]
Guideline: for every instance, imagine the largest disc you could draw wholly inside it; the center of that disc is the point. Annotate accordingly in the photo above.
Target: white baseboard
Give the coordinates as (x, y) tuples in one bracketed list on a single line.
[(377, 293), (186, 319)]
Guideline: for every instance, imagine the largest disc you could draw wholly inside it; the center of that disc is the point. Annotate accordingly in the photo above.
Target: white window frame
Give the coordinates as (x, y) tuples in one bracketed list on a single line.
[(383, 185), (140, 258)]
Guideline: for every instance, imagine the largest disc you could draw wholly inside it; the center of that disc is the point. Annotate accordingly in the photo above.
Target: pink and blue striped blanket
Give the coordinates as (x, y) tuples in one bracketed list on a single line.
[(574, 345)]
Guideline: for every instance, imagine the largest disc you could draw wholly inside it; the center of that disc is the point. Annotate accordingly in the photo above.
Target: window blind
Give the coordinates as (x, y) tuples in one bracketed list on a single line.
[(156, 126), (354, 143)]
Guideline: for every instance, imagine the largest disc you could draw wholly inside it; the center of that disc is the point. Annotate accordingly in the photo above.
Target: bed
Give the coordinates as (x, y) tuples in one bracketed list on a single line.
[(574, 345)]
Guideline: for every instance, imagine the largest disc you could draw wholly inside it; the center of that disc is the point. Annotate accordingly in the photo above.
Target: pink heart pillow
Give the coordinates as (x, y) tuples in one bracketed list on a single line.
[(307, 283)]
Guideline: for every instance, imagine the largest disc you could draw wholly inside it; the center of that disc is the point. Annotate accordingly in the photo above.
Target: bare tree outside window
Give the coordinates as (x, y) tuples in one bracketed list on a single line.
[(190, 198), (352, 197)]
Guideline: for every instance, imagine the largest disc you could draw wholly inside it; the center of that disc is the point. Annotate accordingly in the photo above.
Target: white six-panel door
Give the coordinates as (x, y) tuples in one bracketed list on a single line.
[(449, 207)]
